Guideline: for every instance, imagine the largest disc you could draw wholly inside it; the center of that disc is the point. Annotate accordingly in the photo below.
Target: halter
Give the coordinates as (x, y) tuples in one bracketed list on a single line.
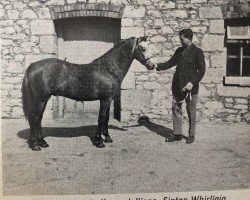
[(141, 51)]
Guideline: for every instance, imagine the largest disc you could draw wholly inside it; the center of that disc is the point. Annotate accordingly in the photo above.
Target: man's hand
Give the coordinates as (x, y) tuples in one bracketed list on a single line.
[(158, 68), (188, 87)]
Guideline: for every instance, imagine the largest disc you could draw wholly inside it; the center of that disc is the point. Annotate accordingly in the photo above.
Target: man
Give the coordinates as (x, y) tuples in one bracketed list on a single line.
[(189, 72)]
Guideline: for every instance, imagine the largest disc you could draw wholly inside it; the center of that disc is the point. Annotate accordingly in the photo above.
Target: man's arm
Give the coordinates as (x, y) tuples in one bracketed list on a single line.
[(170, 63), (201, 68)]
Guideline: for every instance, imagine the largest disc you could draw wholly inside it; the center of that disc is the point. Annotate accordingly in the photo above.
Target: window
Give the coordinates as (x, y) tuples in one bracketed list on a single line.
[(238, 51)]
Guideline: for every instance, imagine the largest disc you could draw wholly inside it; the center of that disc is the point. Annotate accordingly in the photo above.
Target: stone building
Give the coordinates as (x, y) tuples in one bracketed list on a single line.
[(37, 29)]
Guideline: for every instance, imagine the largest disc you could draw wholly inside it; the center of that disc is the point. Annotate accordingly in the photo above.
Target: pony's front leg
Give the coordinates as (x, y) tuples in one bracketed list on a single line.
[(104, 109), (106, 131)]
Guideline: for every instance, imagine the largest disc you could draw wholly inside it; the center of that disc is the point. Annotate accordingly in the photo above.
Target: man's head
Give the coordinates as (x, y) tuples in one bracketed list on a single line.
[(186, 36)]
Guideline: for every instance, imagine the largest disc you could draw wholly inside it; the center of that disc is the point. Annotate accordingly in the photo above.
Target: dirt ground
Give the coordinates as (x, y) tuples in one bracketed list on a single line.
[(139, 160)]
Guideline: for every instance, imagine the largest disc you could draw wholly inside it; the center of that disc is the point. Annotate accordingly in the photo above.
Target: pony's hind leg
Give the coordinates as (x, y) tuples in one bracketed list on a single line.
[(33, 140), (36, 138), (41, 142)]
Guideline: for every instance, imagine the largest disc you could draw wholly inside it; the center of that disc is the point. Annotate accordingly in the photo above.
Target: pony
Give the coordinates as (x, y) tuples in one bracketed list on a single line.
[(100, 80)]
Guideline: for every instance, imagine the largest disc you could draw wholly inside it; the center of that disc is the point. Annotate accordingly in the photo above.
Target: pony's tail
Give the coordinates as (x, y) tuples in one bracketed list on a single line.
[(26, 96)]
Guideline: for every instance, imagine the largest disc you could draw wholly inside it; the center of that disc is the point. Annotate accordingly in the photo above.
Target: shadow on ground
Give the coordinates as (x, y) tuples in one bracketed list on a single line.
[(153, 127), (87, 131)]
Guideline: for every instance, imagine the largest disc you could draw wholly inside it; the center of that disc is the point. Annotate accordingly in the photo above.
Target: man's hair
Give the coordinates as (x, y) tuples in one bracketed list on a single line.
[(187, 33)]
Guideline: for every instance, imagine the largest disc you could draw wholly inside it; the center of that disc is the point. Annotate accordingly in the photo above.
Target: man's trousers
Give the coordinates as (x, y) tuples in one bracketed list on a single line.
[(177, 115)]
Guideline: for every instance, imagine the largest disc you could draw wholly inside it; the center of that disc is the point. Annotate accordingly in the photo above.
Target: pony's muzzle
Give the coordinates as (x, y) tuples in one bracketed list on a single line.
[(150, 65)]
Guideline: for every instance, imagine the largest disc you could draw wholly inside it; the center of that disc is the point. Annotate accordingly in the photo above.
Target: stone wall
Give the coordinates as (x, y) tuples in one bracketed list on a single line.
[(28, 34)]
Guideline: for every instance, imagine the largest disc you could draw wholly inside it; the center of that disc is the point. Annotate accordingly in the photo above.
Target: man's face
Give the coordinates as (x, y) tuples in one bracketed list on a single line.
[(184, 41)]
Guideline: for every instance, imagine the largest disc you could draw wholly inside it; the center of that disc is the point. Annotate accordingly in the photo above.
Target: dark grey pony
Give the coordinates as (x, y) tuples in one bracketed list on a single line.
[(99, 80)]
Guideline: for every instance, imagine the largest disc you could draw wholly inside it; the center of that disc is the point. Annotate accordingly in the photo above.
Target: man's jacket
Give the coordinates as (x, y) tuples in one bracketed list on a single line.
[(190, 68)]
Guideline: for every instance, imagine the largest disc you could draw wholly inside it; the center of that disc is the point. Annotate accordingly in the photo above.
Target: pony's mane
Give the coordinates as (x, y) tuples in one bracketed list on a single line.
[(116, 48)]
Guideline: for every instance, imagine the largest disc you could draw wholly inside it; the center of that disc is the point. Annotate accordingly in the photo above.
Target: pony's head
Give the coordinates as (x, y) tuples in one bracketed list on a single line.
[(141, 53)]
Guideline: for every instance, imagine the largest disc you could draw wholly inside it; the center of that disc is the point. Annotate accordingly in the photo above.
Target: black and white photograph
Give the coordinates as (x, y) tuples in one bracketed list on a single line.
[(125, 99)]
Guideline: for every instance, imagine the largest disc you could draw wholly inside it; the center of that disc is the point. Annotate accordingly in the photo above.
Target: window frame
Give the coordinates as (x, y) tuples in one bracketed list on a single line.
[(241, 40)]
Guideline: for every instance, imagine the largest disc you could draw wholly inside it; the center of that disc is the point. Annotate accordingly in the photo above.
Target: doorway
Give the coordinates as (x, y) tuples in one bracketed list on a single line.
[(81, 40)]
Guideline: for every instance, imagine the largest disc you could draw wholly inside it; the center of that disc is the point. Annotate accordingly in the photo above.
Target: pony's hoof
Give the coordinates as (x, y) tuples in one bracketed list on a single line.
[(42, 143), (108, 140), (33, 145), (36, 148), (99, 144)]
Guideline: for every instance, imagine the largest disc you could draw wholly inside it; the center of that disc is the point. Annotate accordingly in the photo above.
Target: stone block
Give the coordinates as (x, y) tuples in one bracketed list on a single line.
[(219, 59), (8, 22), (135, 99), (198, 1), (157, 39), (179, 14), (151, 32), (212, 43), (48, 44), (71, 1), (12, 80), (19, 57), (229, 100), (127, 32), (5, 115), (213, 75), (136, 66), (228, 105), (214, 105), (126, 22), (55, 3), (9, 30), (241, 101), (42, 27), (5, 86), (195, 23), (164, 5), (132, 12), (142, 77), (4, 93), (230, 118), (44, 13), (16, 93), (1, 13), (34, 4), (154, 14), (210, 12), (15, 67), (201, 29), (144, 2), (152, 86), (12, 14), (166, 52), (19, 5), (17, 112), (167, 30), (184, 25), (126, 116), (239, 92), (154, 49), (29, 14), (217, 26), (158, 23), (129, 81), (204, 92), (240, 107)]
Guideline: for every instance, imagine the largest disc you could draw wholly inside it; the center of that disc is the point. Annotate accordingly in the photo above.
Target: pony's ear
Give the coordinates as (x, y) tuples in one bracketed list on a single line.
[(142, 39)]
